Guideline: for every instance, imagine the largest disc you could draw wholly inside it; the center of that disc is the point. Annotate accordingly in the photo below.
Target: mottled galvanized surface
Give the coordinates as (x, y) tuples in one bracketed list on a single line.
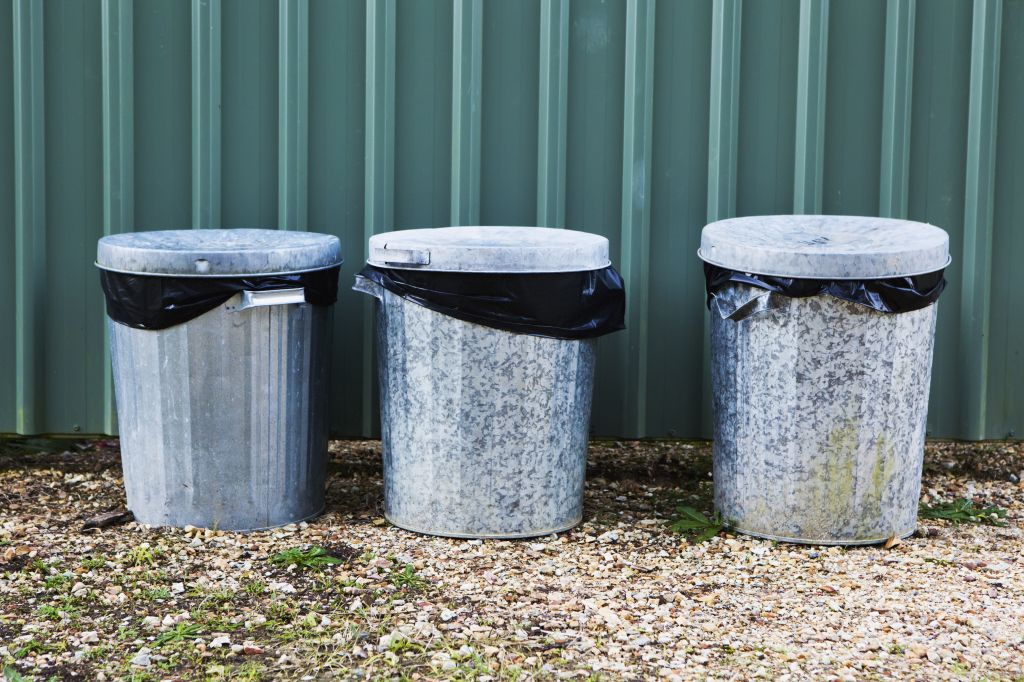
[(217, 253), (223, 418), (484, 431), (490, 249), (819, 419), (825, 247)]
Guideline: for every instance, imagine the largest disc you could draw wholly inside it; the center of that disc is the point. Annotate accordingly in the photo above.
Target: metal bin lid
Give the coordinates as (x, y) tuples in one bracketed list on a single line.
[(825, 246), (217, 253), (490, 249)]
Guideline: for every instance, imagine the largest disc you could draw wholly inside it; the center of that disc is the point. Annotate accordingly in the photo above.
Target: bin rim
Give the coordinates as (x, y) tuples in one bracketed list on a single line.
[(218, 276)]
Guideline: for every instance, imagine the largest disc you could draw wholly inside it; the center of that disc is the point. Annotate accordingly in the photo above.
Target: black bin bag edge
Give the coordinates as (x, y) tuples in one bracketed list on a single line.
[(160, 301), (562, 305), (890, 295)]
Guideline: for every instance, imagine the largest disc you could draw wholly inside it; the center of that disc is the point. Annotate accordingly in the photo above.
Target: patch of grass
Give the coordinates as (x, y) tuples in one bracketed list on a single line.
[(406, 579), (695, 525), (126, 633), (938, 561), (97, 652), (179, 633), (94, 562), (51, 612), (12, 675), (221, 596), (154, 593), (71, 602), (217, 624), (142, 555), (255, 587), (280, 612), (34, 646), (314, 557), (897, 649), (401, 645), (963, 511), (249, 671), (959, 669), (57, 580)]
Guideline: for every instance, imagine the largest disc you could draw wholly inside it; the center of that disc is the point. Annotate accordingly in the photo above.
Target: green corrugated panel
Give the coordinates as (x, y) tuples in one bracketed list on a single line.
[(1006, 348), (8, 306), (636, 119)]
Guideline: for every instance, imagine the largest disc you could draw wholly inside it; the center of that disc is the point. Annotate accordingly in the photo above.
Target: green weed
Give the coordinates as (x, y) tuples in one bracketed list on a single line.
[(697, 527), (406, 579), (142, 555), (12, 675), (255, 587), (179, 633), (34, 646), (94, 562), (155, 593), (963, 511), (56, 580), (314, 557)]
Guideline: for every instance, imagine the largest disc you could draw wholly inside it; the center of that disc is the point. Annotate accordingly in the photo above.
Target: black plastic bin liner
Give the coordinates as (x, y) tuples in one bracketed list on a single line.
[(893, 295), (161, 301), (560, 305)]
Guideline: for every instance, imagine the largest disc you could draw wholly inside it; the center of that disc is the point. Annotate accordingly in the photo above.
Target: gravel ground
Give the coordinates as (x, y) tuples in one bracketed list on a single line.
[(619, 597)]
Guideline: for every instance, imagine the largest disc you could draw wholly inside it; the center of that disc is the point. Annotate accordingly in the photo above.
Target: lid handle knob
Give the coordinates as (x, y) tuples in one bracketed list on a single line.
[(402, 256)]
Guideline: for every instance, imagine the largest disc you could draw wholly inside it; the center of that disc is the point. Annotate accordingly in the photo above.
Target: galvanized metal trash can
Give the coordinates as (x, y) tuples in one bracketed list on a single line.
[(822, 331), (219, 345), (485, 429)]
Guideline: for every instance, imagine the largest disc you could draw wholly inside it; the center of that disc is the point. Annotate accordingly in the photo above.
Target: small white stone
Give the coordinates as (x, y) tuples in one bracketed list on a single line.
[(284, 588), (218, 642), (89, 636), (142, 659), (447, 615)]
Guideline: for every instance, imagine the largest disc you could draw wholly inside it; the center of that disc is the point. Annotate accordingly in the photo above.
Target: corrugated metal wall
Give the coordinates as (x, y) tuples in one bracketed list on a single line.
[(636, 120)]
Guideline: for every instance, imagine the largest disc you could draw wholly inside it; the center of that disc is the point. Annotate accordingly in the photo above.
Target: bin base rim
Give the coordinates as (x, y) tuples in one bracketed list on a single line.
[(309, 517), (485, 536), (806, 541)]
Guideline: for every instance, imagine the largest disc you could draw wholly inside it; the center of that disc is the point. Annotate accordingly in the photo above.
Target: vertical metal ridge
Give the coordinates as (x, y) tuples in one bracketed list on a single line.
[(379, 190), (894, 177), (812, 61), (635, 239), (29, 212), (293, 114), (467, 63), (723, 134), (117, 60), (206, 119), (979, 202), (723, 130), (552, 108)]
